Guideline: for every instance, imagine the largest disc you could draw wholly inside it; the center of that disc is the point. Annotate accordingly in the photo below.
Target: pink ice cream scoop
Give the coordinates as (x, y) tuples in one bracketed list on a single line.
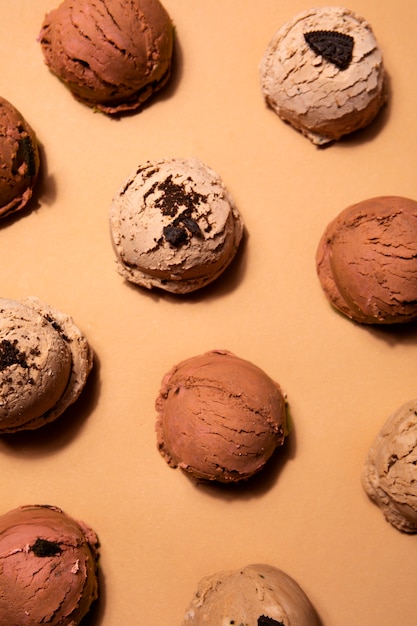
[(113, 55), (220, 417), (48, 567)]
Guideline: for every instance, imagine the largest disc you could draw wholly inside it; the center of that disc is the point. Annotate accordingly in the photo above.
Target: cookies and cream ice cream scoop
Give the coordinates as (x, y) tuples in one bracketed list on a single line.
[(367, 261), (390, 472), (323, 73), (44, 363), (174, 225), (220, 417), (113, 55), (19, 159), (48, 567), (256, 595)]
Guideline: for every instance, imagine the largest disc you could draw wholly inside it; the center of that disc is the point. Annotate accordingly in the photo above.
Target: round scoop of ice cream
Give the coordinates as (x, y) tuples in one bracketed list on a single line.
[(367, 261), (390, 472), (19, 159), (220, 417), (48, 567), (174, 226), (256, 595), (323, 73), (112, 54), (44, 364)]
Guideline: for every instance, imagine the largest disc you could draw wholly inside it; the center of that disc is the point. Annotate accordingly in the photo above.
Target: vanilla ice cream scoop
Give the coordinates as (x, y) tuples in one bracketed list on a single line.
[(112, 54), (220, 417), (256, 595), (367, 261), (323, 73), (48, 567), (44, 364), (19, 159), (390, 472), (174, 226)]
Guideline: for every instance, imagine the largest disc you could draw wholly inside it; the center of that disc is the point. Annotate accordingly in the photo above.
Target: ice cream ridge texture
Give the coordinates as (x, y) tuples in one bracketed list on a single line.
[(19, 159), (113, 55), (367, 261), (48, 567), (323, 73), (220, 417), (174, 226), (390, 472), (44, 364), (256, 595)]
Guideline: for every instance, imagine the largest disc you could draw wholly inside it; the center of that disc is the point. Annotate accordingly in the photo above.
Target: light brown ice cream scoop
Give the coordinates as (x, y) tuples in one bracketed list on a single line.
[(44, 363), (323, 73), (367, 261), (48, 567), (256, 595), (19, 159), (112, 54), (174, 226), (390, 472), (220, 417)]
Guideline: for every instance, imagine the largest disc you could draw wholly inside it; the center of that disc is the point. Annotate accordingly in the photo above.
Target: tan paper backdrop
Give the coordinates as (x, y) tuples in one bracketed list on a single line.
[(307, 513)]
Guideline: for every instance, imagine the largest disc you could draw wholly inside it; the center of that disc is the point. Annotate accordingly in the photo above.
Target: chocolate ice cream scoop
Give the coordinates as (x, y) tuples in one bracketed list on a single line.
[(256, 595), (220, 417), (323, 73), (44, 364), (174, 226), (367, 261), (19, 159), (112, 54), (48, 567), (390, 473)]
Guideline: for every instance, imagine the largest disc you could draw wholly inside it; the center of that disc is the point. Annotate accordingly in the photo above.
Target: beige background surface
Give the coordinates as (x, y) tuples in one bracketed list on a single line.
[(307, 513)]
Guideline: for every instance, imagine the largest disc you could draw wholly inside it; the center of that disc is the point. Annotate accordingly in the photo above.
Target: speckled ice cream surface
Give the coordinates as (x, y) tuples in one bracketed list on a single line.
[(44, 363), (256, 595), (174, 225), (19, 159), (390, 472), (318, 98)]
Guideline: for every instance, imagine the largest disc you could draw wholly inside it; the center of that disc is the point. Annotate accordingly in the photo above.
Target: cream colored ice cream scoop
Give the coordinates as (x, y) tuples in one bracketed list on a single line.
[(48, 567), (113, 55), (220, 417), (256, 595), (44, 363), (19, 159), (323, 73), (174, 225), (390, 472), (367, 260)]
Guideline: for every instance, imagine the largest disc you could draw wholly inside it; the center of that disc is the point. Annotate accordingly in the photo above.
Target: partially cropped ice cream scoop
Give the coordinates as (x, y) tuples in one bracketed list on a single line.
[(220, 417), (112, 54), (48, 567), (19, 159), (390, 472), (174, 226), (256, 595), (367, 261), (323, 73), (44, 363)]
